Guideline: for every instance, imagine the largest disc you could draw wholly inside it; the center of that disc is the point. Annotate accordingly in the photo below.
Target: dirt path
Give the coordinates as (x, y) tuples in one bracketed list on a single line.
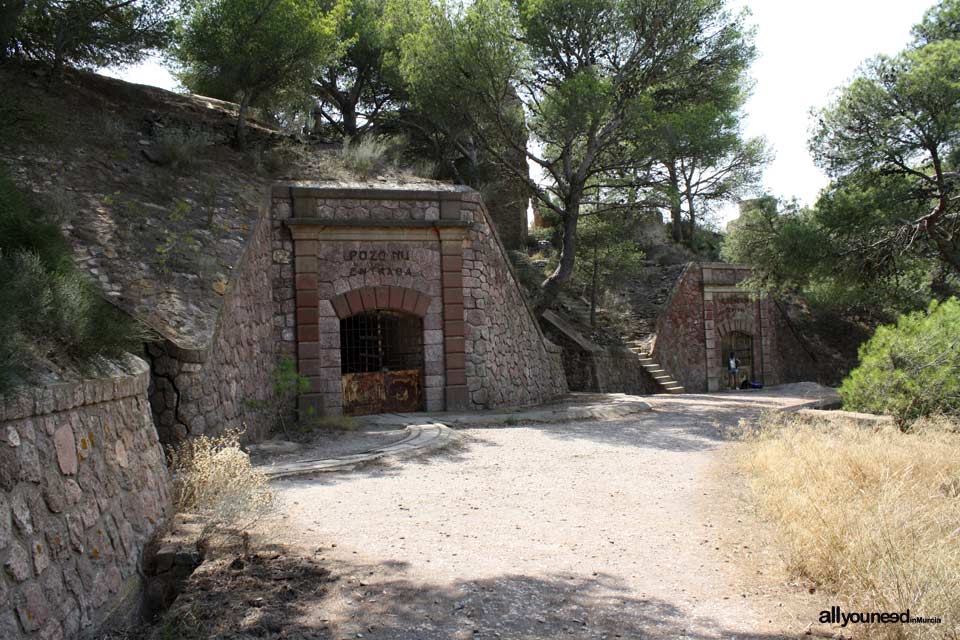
[(598, 530)]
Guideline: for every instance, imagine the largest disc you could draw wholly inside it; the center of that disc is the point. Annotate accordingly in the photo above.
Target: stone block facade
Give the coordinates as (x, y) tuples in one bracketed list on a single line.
[(707, 307), (429, 252), (83, 487), (228, 383)]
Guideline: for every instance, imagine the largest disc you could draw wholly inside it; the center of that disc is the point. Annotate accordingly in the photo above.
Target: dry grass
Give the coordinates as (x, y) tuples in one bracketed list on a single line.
[(368, 156), (213, 477), (868, 512)]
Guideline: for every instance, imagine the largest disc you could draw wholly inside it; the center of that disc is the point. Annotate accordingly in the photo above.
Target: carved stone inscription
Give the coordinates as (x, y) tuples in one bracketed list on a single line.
[(384, 262)]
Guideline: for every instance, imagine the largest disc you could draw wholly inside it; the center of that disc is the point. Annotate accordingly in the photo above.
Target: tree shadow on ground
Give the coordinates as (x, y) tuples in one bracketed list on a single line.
[(455, 451), (686, 423), (283, 594), (669, 426)]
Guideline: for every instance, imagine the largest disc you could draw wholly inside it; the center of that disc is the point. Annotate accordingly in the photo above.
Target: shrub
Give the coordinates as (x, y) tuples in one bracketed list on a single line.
[(45, 299), (179, 149), (366, 157), (213, 478), (288, 383), (911, 369), (870, 512)]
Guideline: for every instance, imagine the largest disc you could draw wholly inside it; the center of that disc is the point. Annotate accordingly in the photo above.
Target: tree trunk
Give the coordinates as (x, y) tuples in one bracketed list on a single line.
[(692, 220), (348, 115), (676, 212), (550, 288), (593, 288), (241, 136)]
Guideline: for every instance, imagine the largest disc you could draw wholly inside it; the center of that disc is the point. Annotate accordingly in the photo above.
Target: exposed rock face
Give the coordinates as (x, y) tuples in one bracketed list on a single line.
[(84, 486)]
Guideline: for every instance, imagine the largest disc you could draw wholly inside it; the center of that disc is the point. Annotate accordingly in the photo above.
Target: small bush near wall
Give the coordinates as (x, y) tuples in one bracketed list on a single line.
[(867, 511), (44, 299), (213, 478), (911, 369)]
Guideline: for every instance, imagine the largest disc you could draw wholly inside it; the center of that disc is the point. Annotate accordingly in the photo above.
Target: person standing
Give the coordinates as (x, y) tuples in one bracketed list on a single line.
[(733, 369)]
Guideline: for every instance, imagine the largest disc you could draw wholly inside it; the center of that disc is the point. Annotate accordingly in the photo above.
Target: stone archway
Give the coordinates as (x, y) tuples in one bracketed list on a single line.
[(382, 355), (381, 298)]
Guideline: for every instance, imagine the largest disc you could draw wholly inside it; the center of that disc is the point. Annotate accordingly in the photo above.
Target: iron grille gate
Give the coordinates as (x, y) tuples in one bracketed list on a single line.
[(381, 362)]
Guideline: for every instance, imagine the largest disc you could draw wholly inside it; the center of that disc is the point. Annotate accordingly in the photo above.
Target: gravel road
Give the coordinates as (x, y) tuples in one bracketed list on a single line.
[(624, 529)]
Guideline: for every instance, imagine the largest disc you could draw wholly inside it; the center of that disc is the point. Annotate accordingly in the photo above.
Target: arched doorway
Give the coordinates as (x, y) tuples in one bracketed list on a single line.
[(741, 344), (381, 362)]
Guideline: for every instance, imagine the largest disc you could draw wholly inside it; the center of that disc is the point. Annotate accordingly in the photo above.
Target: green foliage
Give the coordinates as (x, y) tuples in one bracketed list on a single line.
[(890, 141), (883, 237), (360, 91), (781, 241), (248, 50), (89, 33), (45, 299), (588, 74), (911, 369), (287, 383), (607, 256)]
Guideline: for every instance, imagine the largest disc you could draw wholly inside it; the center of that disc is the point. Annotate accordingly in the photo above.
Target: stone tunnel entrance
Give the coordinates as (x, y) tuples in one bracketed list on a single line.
[(381, 362)]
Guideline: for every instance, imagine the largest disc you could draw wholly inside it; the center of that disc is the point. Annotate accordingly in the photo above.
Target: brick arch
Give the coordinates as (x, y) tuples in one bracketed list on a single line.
[(738, 324), (390, 298)]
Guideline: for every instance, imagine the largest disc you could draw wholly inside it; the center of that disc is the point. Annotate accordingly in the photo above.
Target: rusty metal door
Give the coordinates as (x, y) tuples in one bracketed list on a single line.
[(382, 392), (381, 355)]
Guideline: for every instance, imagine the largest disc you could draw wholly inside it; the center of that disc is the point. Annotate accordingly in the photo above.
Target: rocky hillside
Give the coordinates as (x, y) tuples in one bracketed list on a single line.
[(156, 203)]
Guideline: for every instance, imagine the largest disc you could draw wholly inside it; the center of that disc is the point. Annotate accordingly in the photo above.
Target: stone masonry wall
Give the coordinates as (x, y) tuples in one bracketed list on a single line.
[(706, 306), (680, 347), (224, 386), (432, 252), (591, 367), (509, 361), (83, 487)]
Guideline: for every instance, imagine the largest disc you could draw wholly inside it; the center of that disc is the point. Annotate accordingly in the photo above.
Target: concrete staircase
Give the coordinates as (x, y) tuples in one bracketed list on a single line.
[(664, 380)]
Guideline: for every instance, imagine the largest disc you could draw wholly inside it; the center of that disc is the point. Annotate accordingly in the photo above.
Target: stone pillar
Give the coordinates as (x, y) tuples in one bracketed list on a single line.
[(308, 326), (768, 373), (451, 274), (710, 338)]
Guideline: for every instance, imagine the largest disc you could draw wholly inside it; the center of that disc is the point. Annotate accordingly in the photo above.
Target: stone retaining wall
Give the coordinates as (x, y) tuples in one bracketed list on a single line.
[(591, 367), (680, 347), (226, 385), (509, 360), (83, 487)]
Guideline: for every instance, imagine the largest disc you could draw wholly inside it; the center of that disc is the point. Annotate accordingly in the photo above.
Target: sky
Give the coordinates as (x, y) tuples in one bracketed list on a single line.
[(806, 49)]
